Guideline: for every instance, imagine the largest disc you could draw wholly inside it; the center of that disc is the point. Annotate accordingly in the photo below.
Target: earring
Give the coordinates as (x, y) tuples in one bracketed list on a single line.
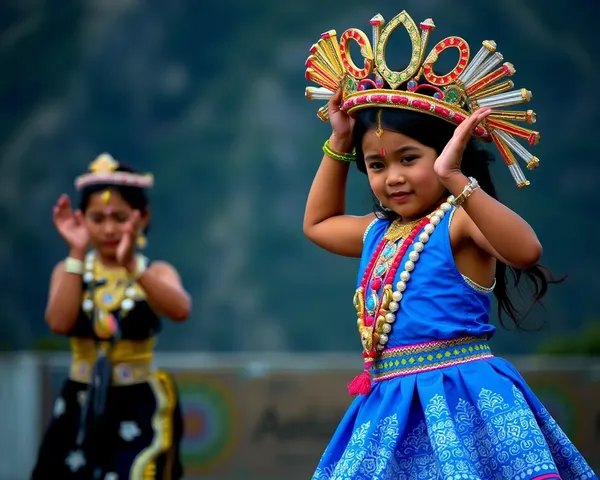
[(141, 241)]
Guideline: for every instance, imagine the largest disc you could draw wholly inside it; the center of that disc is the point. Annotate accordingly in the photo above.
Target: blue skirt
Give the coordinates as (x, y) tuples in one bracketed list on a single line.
[(475, 420)]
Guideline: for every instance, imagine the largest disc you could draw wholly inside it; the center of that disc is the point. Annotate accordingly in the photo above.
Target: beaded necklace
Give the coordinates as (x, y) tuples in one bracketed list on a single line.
[(377, 307), (102, 297)]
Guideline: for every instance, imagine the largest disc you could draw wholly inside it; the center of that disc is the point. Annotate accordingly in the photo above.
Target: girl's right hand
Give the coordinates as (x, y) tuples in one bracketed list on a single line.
[(341, 124), (70, 225)]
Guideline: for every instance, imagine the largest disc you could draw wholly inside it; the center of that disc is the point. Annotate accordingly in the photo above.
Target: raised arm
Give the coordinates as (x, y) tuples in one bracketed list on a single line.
[(494, 228), (164, 291), (325, 220), (64, 298), (160, 280)]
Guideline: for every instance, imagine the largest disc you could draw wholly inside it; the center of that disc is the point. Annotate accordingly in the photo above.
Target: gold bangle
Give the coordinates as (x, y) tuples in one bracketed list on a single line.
[(342, 157)]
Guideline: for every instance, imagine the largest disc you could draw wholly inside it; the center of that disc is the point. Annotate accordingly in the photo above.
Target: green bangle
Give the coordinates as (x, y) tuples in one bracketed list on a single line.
[(342, 157)]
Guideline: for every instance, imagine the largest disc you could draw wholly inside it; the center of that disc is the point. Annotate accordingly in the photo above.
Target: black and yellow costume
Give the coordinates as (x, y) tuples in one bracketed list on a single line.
[(116, 417)]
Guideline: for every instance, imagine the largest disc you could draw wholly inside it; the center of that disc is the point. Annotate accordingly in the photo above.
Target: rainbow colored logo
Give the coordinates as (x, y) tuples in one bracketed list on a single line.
[(211, 422)]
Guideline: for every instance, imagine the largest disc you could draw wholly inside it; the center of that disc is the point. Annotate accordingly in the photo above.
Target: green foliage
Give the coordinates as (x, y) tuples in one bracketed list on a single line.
[(51, 344), (586, 341)]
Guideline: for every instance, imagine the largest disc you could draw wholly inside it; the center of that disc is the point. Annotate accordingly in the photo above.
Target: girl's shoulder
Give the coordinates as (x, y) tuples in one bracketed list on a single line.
[(376, 229)]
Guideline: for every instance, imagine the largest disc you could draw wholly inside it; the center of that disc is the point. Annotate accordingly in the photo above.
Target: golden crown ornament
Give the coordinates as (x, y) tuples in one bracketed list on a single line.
[(103, 170), (472, 84)]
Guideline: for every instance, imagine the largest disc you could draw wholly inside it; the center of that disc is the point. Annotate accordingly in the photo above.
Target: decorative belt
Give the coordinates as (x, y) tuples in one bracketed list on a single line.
[(127, 362), (123, 374), (423, 357), (121, 351)]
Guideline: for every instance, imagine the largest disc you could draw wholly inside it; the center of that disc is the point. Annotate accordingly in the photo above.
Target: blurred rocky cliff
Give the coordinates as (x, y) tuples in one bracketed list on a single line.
[(209, 96)]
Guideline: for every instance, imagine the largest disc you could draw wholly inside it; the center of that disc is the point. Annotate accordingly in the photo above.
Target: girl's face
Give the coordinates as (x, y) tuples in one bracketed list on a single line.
[(106, 215), (400, 171)]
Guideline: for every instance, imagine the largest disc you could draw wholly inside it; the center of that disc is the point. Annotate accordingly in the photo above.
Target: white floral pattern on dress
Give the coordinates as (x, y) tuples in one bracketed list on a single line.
[(75, 460), (568, 460), (368, 453), (129, 430), (60, 407), (496, 439)]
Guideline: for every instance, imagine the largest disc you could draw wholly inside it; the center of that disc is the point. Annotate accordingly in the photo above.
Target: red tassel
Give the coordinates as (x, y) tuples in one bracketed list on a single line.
[(361, 385)]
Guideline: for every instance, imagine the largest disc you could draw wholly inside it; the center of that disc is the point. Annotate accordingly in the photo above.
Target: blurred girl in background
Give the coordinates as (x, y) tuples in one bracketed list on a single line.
[(117, 417)]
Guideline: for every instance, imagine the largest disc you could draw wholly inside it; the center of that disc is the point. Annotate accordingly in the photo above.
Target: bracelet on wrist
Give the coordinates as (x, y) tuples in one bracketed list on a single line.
[(73, 265), (466, 193), (341, 157), (141, 265)]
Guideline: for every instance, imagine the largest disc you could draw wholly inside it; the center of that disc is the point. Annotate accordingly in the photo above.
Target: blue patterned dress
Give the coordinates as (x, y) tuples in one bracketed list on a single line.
[(441, 405)]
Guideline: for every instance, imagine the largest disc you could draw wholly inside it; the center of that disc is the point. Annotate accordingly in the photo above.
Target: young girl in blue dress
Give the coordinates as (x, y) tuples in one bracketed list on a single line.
[(433, 401)]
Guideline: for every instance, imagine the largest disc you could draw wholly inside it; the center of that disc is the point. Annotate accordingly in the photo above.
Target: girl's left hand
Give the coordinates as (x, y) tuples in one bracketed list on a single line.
[(127, 245), (449, 161)]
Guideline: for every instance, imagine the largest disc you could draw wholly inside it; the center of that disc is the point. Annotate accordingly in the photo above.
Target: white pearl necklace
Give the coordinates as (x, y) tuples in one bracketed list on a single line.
[(418, 247)]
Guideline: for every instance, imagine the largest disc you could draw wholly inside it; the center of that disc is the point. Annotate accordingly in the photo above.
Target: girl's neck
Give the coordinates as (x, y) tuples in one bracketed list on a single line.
[(427, 211), (107, 262)]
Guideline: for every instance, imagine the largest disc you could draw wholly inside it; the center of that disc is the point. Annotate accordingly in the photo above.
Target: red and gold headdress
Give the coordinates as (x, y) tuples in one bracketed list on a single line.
[(103, 170), (472, 84)]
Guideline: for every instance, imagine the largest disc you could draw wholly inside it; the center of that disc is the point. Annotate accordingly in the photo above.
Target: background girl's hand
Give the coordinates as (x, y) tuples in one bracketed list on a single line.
[(127, 244), (70, 225), (341, 124), (449, 162)]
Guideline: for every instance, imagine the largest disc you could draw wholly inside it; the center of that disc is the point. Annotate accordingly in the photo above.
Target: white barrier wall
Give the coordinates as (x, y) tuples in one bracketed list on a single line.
[(20, 414)]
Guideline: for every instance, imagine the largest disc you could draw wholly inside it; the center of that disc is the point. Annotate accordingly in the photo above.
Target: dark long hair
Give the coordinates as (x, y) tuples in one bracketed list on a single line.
[(435, 133)]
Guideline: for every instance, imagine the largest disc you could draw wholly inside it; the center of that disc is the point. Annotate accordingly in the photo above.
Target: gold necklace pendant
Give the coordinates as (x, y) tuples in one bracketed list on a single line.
[(398, 230)]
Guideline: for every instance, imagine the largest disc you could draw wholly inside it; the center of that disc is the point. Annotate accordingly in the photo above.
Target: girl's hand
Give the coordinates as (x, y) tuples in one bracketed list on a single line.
[(448, 163), (70, 225), (341, 124), (127, 245)]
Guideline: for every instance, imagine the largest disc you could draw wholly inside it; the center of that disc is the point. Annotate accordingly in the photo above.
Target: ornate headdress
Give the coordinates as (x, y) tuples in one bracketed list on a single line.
[(103, 170), (469, 86)]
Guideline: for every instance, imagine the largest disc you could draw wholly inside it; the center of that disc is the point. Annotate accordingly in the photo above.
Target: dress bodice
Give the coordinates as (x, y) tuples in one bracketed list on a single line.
[(439, 303), (111, 291)]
